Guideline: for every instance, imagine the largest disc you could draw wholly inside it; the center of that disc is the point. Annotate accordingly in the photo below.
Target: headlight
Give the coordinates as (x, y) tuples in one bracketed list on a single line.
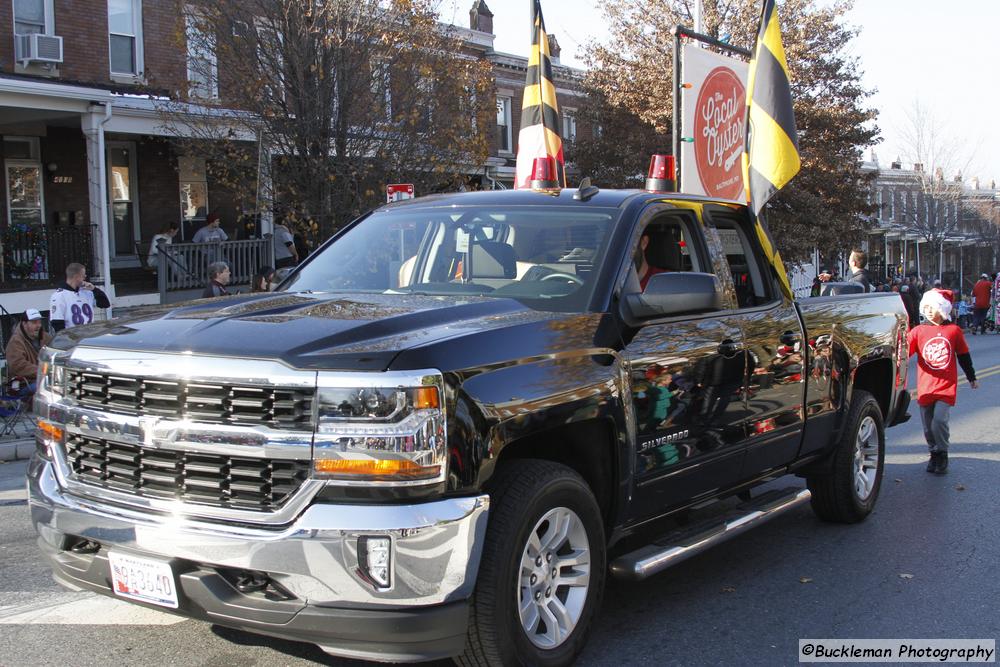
[(51, 373), (381, 433)]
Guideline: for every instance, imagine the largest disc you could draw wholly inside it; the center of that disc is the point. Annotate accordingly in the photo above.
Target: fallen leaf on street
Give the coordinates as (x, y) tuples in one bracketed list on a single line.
[(728, 589), (960, 487), (899, 481), (905, 576), (805, 580)]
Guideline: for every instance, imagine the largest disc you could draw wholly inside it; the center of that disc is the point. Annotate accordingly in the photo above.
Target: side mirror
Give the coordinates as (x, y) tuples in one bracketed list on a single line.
[(673, 294)]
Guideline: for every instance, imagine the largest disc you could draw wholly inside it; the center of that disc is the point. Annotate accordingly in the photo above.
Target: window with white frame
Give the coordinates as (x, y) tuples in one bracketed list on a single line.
[(125, 37), (33, 17), (569, 125), (271, 60), (202, 65), (505, 140)]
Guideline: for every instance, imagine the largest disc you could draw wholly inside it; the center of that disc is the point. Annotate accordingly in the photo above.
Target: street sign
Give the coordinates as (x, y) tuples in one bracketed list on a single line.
[(398, 192)]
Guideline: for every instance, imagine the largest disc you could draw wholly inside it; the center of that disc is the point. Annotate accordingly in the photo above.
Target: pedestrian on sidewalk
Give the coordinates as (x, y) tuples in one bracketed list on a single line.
[(218, 274), (73, 303), (858, 262), (26, 342), (285, 252), (996, 302), (938, 344), (982, 292)]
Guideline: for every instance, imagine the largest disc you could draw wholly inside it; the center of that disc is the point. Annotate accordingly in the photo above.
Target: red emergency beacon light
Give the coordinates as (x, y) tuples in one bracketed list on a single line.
[(662, 174), (544, 174)]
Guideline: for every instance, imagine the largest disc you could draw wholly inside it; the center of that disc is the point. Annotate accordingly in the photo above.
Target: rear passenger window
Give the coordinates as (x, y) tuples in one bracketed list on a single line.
[(751, 282)]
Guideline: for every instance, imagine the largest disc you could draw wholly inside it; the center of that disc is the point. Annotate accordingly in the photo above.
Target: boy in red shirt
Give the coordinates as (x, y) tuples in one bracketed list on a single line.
[(938, 344)]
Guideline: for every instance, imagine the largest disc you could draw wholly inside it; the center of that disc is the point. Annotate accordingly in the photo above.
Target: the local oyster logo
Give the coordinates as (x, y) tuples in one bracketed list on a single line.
[(719, 137), (937, 353)]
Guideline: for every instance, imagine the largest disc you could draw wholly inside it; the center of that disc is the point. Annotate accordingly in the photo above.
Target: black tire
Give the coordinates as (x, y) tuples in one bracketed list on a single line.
[(836, 495), (522, 493)]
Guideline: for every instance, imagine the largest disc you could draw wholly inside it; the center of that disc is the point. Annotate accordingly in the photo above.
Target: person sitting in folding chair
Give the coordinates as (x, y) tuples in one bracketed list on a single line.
[(26, 342)]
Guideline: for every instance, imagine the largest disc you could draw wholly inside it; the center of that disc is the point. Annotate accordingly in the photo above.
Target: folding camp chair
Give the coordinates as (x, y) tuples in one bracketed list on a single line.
[(12, 410), (14, 407)]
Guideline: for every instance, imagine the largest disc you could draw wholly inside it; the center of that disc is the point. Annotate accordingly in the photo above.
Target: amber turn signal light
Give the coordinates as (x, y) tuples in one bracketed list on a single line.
[(425, 398), (373, 468), (51, 430)]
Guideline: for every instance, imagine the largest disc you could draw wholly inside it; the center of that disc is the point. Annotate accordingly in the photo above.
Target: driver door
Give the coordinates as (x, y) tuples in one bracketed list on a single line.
[(687, 386)]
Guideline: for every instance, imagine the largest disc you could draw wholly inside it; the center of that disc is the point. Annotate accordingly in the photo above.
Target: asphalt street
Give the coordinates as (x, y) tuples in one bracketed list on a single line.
[(922, 566)]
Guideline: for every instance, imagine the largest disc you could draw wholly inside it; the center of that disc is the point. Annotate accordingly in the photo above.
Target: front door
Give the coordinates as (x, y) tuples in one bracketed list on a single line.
[(123, 206), (687, 377)]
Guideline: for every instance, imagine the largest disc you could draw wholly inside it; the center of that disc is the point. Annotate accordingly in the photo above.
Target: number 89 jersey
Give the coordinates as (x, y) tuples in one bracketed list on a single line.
[(72, 307)]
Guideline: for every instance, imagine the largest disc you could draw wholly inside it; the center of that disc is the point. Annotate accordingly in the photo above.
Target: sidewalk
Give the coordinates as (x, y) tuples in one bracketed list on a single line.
[(18, 447)]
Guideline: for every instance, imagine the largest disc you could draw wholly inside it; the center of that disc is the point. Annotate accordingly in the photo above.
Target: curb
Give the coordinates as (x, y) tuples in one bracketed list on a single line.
[(17, 450)]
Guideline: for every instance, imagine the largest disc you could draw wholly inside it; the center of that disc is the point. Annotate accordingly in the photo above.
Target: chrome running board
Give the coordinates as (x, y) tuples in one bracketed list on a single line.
[(676, 547)]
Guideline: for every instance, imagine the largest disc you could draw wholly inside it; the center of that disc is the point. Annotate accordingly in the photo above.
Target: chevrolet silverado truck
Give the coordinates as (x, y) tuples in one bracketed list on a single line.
[(450, 424)]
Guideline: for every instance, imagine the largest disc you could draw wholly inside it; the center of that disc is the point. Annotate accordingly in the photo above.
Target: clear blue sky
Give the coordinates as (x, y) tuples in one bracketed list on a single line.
[(944, 54)]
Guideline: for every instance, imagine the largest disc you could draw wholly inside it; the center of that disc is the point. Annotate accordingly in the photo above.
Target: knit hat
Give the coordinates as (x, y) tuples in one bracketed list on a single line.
[(936, 301)]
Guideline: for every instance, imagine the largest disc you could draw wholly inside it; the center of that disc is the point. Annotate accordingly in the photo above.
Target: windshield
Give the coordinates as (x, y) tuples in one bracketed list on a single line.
[(545, 257)]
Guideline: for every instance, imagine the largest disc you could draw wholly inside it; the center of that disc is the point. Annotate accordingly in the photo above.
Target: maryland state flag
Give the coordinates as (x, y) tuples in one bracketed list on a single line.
[(771, 157), (539, 136)]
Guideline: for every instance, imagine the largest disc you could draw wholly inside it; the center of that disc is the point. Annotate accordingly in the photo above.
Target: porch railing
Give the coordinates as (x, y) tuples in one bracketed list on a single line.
[(37, 255), (184, 266)]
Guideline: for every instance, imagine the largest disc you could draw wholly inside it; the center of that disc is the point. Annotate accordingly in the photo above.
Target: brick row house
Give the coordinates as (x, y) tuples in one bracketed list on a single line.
[(92, 168), (931, 224)]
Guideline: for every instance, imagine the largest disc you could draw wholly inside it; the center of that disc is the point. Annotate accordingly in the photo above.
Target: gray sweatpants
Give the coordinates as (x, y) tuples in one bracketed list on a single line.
[(935, 419)]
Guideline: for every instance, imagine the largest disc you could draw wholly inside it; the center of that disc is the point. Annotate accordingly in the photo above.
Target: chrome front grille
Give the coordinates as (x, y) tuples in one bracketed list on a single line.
[(205, 479), (275, 407)]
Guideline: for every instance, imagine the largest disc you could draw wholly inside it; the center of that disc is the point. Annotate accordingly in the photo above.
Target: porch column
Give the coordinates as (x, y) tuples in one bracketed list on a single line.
[(92, 124)]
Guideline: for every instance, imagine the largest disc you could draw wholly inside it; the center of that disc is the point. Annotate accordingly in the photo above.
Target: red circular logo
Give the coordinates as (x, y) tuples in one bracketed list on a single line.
[(719, 136)]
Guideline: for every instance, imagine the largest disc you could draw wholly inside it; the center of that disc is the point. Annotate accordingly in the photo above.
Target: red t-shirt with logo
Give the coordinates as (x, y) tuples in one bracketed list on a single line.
[(937, 349)]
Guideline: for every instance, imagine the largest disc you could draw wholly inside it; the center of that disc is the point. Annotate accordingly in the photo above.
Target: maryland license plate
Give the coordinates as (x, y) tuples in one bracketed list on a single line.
[(143, 579)]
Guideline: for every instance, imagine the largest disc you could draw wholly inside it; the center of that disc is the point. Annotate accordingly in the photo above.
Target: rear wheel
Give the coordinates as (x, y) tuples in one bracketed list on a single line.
[(542, 571), (848, 491)]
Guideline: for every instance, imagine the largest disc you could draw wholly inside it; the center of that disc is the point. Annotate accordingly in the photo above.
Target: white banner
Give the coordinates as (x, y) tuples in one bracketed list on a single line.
[(714, 114)]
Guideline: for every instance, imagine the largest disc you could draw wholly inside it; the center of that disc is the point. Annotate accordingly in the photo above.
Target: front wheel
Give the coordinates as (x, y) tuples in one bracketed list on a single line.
[(542, 571), (848, 491)]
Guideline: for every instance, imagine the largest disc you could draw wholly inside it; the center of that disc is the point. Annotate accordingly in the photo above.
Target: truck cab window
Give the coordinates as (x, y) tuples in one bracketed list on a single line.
[(744, 263), (665, 245)]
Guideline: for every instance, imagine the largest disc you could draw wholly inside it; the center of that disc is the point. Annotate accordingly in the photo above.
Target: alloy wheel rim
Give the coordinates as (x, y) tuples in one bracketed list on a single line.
[(554, 578), (866, 459)]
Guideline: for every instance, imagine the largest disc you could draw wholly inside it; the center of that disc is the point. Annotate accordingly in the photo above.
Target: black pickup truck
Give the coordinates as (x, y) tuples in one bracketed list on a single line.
[(449, 424)]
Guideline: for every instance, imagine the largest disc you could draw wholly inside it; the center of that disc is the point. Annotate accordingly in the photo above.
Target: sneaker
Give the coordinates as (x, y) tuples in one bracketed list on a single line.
[(932, 463), (942, 464)]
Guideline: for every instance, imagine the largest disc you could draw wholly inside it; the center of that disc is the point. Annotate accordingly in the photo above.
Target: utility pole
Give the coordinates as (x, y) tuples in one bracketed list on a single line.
[(698, 12)]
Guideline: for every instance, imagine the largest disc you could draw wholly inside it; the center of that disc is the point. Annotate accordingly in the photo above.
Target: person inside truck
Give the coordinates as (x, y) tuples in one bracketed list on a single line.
[(657, 252)]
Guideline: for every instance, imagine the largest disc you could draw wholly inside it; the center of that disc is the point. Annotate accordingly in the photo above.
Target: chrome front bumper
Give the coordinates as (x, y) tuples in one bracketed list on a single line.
[(435, 546)]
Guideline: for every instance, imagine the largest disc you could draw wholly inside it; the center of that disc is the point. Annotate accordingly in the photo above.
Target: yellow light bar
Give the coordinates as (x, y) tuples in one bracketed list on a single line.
[(385, 468), (425, 397), (51, 430)]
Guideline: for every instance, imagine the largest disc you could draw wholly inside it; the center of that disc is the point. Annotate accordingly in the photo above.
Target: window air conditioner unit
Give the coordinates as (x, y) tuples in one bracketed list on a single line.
[(38, 49)]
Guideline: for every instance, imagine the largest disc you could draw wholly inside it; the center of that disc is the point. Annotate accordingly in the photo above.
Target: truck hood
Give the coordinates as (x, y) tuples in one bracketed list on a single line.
[(305, 330)]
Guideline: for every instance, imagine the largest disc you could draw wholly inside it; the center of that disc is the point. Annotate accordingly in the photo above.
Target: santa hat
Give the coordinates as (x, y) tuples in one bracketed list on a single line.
[(935, 300)]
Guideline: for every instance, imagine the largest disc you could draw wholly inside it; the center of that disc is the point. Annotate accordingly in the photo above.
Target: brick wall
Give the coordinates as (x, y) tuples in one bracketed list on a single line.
[(67, 149), (83, 25)]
